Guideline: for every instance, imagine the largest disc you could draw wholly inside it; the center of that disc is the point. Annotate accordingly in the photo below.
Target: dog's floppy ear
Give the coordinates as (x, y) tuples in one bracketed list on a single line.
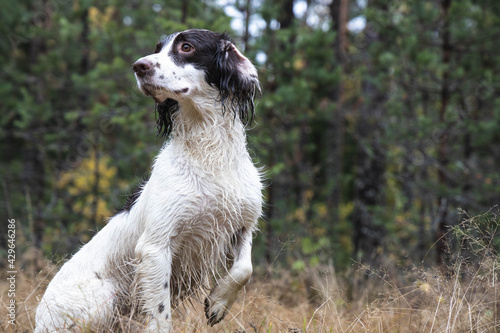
[(166, 111), (238, 83)]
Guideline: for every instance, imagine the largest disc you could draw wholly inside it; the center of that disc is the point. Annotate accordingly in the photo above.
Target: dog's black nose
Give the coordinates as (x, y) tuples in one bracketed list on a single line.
[(143, 67)]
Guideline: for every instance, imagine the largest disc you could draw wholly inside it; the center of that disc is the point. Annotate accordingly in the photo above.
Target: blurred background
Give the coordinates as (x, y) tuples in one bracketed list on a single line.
[(378, 128)]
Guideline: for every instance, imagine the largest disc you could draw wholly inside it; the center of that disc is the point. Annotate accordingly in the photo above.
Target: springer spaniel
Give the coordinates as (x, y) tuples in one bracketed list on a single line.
[(190, 225)]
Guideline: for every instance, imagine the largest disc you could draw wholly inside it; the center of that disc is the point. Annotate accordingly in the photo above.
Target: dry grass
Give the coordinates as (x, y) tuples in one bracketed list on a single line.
[(464, 299)]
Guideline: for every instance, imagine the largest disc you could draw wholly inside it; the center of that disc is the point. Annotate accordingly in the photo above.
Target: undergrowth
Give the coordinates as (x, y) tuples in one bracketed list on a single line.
[(462, 296)]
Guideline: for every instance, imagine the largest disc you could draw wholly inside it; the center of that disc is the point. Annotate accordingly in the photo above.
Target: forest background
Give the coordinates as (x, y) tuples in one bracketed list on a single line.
[(378, 129)]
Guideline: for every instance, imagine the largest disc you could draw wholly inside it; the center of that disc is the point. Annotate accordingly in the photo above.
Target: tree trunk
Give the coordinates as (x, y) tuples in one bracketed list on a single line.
[(184, 15), (286, 15), (85, 106), (33, 167), (276, 190), (334, 135), (246, 36), (370, 167), (95, 188), (442, 214), (368, 186), (269, 216)]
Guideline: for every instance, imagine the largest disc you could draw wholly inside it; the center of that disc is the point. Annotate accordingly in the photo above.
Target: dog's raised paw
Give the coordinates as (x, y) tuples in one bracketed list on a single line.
[(214, 311)]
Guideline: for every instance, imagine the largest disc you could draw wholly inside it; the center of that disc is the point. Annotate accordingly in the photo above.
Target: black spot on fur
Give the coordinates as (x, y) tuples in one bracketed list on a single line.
[(162, 77), (161, 308), (97, 275), (165, 286), (159, 46), (166, 316), (212, 317), (132, 198), (207, 307)]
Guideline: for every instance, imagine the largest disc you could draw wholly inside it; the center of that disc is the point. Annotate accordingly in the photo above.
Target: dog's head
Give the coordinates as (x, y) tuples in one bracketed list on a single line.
[(190, 64)]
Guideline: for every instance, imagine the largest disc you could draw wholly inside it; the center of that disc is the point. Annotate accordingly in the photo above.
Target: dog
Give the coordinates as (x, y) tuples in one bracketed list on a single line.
[(187, 231)]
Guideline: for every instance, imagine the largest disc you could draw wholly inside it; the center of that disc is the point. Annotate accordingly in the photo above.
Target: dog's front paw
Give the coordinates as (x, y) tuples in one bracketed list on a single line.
[(217, 305)]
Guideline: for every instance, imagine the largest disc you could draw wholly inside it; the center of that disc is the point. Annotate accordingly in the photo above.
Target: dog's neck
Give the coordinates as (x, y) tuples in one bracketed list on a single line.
[(207, 133)]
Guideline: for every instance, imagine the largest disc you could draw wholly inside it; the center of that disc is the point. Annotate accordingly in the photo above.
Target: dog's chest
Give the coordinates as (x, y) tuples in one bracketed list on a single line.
[(219, 201), (203, 199)]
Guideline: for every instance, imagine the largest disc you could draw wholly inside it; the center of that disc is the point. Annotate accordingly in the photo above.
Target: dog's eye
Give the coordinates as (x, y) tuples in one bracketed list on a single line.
[(187, 47)]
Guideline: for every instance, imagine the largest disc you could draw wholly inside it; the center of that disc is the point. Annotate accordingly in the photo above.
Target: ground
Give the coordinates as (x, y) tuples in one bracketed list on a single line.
[(319, 300)]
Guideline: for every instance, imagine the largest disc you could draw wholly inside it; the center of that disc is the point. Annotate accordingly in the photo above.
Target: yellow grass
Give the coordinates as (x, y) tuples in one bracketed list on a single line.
[(314, 302), (465, 298)]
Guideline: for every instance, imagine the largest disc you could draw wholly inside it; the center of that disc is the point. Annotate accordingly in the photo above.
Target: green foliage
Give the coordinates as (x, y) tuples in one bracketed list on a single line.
[(479, 239), (385, 108), (67, 90)]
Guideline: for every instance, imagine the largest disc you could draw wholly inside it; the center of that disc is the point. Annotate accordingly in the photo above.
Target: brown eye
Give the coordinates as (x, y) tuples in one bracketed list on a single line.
[(186, 47)]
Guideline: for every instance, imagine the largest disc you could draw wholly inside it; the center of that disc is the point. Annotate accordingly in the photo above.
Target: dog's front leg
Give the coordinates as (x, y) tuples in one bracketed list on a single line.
[(222, 297), (154, 268)]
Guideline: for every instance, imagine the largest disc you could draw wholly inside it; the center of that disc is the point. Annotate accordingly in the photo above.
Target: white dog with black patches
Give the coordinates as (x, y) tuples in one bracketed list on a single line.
[(191, 223)]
